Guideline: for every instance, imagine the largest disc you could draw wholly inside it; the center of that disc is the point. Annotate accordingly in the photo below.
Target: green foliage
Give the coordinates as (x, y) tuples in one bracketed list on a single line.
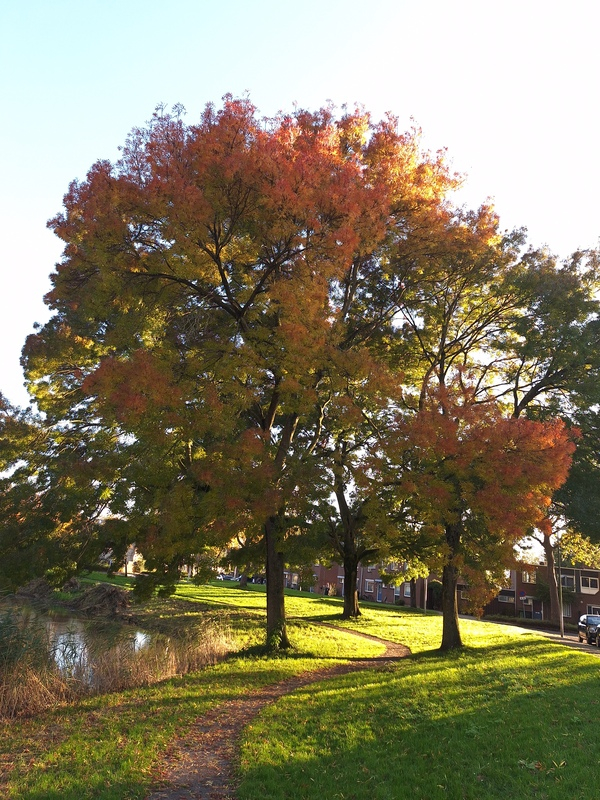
[(434, 594), (146, 585), (542, 591), (276, 641), (58, 575), (578, 501)]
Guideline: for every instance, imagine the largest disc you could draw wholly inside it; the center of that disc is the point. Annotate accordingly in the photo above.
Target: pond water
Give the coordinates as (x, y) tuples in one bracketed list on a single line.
[(77, 645)]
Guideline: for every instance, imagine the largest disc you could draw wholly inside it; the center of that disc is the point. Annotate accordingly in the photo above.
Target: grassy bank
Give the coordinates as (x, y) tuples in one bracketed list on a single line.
[(512, 716)]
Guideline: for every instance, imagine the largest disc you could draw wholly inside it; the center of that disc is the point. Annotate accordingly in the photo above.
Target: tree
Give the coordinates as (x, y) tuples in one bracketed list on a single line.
[(54, 491), (524, 327), (574, 511), (478, 481), (404, 279), (214, 283), (551, 367)]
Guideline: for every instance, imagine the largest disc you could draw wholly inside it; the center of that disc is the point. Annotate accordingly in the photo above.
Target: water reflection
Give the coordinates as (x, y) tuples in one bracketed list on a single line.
[(77, 646)]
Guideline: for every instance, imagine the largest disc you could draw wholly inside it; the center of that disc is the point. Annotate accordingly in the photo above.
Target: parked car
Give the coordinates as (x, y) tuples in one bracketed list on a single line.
[(587, 628)]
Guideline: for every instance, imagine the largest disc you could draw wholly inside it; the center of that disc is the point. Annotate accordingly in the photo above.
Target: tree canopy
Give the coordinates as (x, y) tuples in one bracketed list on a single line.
[(256, 321)]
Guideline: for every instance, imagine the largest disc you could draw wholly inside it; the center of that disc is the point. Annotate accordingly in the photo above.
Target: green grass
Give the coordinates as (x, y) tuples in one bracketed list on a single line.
[(511, 716), (102, 577), (516, 719)]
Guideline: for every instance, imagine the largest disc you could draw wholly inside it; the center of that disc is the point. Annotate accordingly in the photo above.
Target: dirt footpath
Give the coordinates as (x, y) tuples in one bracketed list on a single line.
[(201, 765)]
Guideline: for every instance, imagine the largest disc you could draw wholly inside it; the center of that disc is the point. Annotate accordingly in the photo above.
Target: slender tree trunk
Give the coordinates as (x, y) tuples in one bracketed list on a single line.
[(346, 544), (450, 629), (555, 609), (413, 593), (277, 638), (243, 581), (351, 608)]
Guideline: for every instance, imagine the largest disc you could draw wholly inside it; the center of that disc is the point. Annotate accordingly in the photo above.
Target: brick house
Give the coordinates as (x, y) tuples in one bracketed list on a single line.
[(329, 580), (520, 596)]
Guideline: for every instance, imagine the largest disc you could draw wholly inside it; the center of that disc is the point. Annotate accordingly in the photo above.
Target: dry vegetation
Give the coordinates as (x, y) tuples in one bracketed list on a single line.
[(37, 672)]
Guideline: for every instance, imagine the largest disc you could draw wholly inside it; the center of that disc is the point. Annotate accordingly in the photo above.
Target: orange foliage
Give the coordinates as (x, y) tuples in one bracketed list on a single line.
[(236, 277), (470, 466), (133, 388)]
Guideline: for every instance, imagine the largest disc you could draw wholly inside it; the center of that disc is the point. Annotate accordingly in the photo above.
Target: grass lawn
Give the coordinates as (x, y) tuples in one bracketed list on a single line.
[(513, 715)]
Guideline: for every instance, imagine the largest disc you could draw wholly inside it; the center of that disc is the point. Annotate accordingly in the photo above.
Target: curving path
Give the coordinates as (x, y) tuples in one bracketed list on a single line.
[(200, 766)]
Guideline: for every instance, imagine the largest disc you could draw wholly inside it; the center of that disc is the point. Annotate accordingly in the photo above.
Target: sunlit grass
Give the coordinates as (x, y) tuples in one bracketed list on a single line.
[(106, 747), (511, 716), (515, 719)]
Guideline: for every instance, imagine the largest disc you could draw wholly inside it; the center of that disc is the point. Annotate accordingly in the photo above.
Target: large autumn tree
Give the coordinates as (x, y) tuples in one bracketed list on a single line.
[(526, 327), (215, 284)]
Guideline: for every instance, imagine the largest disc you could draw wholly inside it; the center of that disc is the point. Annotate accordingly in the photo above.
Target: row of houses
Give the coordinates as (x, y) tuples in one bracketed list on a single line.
[(523, 595), (329, 580)]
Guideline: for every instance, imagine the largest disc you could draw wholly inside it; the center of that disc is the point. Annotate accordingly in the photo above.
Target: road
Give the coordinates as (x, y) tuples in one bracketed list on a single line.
[(570, 640)]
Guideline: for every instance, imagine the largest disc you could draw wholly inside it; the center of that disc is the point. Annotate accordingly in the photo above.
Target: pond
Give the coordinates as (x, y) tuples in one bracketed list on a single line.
[(76, 644), (51, 657), (84, 649)]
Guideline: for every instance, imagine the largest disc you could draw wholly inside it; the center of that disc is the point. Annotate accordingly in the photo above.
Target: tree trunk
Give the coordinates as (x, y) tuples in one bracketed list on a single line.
[(346, 544), (413, 593), (555, 609), (277, 638), (450, 630), (351, 609)]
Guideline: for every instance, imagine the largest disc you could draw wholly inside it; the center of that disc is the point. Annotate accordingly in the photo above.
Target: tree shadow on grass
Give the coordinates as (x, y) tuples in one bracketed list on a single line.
[(471, 725)]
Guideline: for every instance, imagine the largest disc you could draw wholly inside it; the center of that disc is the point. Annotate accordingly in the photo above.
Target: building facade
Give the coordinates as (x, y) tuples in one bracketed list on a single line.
[(525, 593), (524, 596), (329, 580)]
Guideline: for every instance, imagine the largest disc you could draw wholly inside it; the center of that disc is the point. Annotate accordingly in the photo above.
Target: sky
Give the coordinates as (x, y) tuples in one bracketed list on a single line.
[(508, 87)]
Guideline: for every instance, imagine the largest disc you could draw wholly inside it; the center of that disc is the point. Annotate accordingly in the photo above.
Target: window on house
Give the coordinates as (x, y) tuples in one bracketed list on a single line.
[(528, 576), (566, 609), (505, 598), (369, 569), (369, 586), (407, 590), (593, 610), (589, 583), (568, 581)]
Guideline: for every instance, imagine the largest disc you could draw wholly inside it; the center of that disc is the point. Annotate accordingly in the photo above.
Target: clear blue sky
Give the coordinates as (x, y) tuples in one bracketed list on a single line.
[(510, 88)]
